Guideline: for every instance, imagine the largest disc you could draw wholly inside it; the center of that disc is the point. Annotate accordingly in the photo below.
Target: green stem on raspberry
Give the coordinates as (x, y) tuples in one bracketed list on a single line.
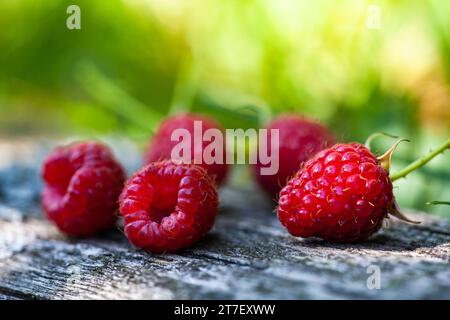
[(395, 211), (376, 135), (438, 202), (386, 159), (420, 162)]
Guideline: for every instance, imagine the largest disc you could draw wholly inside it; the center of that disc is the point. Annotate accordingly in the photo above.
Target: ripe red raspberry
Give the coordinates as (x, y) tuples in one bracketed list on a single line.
[(82, 185), (300, 139), (342, 194), (168, 206), (161, 146)]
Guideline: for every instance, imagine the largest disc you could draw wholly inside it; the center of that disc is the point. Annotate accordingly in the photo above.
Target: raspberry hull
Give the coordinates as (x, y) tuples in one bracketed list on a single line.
[(341, 195), (82, 185), (168, 206), (300, 139), (161, 146)]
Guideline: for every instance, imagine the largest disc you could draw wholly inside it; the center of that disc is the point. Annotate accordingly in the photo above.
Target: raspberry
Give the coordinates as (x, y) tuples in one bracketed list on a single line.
[(342, 194), (300, 139), (82, 185), (168, 206), (161, 146)]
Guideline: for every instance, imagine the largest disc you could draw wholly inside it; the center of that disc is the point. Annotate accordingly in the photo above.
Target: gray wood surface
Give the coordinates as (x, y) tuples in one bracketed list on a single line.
[(248, 255)]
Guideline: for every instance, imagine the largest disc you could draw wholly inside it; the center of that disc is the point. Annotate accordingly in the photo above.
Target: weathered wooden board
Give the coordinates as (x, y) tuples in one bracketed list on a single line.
[(248, 255)]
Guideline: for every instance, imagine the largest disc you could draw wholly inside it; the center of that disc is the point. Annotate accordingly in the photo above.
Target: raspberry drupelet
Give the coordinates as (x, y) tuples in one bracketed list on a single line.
[(168, 206), (341, 195), (82, 185)]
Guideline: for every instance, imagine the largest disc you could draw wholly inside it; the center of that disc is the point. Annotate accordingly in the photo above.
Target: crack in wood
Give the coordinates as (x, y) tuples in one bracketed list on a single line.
[(15, 294), (247, 255)]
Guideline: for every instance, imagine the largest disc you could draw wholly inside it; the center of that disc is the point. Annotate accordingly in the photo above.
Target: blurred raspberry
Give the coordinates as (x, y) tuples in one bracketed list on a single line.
[(161, 146), (300, 139), (82, 185)]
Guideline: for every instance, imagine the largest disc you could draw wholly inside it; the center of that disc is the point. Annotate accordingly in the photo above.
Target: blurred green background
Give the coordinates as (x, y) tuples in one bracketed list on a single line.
[(242, 61)]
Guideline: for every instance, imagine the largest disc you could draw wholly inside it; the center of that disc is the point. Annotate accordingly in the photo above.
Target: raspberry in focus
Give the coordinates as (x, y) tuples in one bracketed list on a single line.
[(342, 195), (82, 184), (161, 146), (168, 206)]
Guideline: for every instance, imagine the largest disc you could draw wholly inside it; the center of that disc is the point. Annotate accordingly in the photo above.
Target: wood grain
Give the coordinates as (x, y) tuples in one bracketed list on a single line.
[(248, 255)]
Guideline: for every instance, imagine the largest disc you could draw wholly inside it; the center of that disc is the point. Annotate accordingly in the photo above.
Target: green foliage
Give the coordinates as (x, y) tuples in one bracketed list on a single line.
[(133, 62)]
